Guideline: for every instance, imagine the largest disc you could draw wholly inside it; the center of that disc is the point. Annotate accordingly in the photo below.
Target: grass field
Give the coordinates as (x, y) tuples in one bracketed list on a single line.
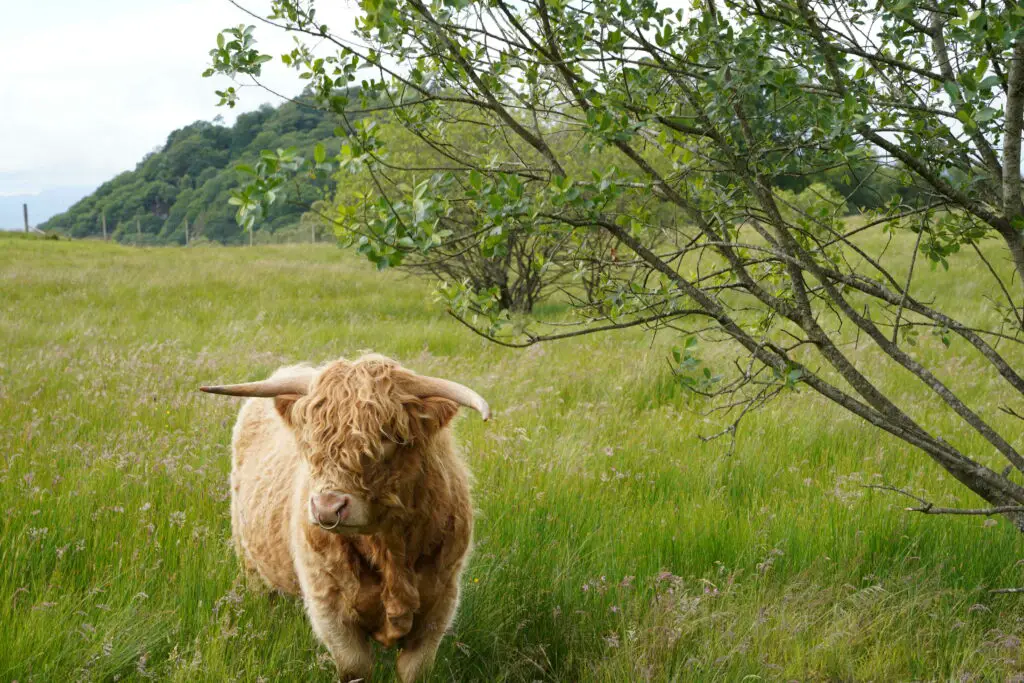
[(611, 543)]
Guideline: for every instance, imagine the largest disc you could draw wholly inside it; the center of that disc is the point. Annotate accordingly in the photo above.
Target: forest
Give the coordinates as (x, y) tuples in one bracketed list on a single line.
[(191, 177)]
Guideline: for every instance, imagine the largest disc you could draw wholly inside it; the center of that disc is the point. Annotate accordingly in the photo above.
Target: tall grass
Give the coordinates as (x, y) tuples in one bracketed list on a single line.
[(611, 543)]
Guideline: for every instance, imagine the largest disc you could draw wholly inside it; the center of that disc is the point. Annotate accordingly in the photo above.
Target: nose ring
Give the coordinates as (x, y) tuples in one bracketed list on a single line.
[(320, 523)]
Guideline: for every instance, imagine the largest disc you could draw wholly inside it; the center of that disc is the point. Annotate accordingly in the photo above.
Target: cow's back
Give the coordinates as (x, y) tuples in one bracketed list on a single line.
[(264, 460)]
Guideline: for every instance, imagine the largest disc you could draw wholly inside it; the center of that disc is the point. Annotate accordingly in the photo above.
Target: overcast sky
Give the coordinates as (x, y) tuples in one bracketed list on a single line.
[(89, 87)]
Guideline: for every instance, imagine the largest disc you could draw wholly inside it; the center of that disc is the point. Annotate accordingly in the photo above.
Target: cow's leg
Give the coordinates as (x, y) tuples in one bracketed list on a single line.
[(347, 643), (252, 578), (417, 655)]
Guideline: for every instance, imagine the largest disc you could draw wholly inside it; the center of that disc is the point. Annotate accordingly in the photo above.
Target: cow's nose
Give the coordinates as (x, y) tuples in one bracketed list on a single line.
[(329, 509)]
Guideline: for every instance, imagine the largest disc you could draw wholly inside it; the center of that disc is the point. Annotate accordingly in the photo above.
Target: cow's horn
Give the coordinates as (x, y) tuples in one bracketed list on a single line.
[(453, 391), (268, 388)]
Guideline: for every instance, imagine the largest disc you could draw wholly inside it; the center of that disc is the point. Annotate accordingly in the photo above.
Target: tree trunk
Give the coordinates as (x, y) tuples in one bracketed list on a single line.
[(1015, 243)]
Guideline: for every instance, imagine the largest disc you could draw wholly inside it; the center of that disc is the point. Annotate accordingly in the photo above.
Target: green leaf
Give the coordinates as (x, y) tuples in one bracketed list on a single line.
[(985, 114), (952, 90), (965, 118), (989, 82)]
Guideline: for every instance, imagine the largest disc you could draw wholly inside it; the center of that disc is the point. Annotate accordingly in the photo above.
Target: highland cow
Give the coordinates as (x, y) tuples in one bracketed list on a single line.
[(346, 488)]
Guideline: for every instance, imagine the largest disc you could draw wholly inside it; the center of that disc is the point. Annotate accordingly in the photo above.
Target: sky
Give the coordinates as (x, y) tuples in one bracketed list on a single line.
[(88, 88)]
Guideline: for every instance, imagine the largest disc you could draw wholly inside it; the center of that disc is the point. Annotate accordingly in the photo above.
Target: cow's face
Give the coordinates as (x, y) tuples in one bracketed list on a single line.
[(358, 431), (348, 499)]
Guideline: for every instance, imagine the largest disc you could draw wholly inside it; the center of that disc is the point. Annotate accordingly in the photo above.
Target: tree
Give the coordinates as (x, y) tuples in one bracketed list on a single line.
[(705, 112), (491, 248)]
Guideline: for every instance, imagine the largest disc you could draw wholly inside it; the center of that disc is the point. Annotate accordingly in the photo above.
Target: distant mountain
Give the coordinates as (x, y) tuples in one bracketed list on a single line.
[(192, 176), (41, 206)]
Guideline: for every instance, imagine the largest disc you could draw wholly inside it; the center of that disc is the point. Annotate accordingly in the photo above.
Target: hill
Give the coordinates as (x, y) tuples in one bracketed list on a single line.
[(191, 178)]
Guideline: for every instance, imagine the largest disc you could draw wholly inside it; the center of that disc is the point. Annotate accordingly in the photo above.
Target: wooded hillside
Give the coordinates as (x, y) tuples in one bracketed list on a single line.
[(191, 178)]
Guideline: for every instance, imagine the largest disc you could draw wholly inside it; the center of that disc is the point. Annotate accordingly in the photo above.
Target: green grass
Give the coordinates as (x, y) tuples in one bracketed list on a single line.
[(611, 543)]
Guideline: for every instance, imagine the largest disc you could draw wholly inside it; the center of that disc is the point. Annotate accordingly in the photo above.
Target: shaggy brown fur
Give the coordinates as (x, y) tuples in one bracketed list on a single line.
[(357, 431)]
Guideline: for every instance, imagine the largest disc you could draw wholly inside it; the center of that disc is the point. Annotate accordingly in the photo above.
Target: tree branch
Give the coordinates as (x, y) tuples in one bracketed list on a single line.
[(929, 508)]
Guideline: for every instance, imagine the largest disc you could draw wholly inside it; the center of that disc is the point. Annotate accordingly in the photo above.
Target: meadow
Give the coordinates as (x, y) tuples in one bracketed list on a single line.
[(612, 544)]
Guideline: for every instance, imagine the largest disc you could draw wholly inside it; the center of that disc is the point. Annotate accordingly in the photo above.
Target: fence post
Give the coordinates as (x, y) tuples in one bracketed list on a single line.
[(103, 222), (24, 210)]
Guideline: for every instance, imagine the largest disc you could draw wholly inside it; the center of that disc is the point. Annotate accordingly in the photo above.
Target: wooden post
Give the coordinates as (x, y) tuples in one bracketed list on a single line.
[(24, 210), (250, 235), (186, 232), (103, 222), (312, 230), (138, 231)]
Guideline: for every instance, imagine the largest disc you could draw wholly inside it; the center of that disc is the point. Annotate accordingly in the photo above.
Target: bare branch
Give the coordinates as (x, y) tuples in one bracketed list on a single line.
[(928, 508)]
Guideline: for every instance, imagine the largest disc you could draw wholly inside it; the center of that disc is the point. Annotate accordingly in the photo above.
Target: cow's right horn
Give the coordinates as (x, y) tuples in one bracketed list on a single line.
[(268, 388)]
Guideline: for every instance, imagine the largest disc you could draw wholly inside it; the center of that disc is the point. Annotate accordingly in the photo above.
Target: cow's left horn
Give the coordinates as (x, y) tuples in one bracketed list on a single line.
[(268, 388), (453, 391)]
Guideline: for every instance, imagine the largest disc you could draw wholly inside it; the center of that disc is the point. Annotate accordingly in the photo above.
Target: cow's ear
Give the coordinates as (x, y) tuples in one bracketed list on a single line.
[(433, 413), (285, 403)]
